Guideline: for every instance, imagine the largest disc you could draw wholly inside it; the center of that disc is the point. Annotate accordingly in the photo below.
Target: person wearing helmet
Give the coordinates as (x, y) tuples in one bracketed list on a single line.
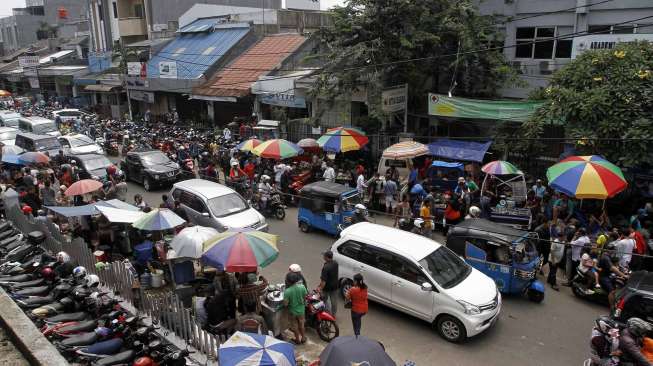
[(608, 265), (265, 191), (630, 342), (27, 211), (360, 214), (48, 274), (604, 344), (236, 173), (92, 281), (474, 213), (79, 274), (64, 266), (295, 269)]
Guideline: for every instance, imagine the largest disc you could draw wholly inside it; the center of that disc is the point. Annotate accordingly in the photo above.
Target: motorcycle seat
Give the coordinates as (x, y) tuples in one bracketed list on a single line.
[(5, 225), (17, 278), (33, 291), (117, 359), (84, 326), (83, 339), (26, 284), (6, 241), (8, 233), (110, 347), (67, 317), (35, 301)]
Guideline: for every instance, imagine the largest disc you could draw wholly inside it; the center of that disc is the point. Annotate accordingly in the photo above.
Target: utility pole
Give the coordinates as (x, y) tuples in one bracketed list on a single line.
[(406, 109)]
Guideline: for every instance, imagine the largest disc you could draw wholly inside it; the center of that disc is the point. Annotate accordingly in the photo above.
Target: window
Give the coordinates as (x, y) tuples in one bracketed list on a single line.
[(350, 249), (192, 202), (138, 10), (228, 204), (612, 29), (644, 28), (377, 258), (446, 268), (99, 12), (115, 10), (542, 43), (408, 271)]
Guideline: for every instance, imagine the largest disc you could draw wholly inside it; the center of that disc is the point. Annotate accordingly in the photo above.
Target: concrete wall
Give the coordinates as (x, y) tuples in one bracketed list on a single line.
[(76, 20), (18, 31)]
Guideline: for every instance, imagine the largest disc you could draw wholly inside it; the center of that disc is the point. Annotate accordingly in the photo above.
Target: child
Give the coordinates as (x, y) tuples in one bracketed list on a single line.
[(587, 265)]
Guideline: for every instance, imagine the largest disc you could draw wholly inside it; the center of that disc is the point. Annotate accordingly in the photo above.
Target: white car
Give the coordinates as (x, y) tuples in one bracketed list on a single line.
[(75, 144), (38, 125), (8, 136), (420, 277), (68, 114)]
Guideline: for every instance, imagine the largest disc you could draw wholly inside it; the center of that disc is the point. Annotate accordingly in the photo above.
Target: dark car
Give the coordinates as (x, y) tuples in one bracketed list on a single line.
[(152, 168), (41, 143), (91, 166), (635, 299)]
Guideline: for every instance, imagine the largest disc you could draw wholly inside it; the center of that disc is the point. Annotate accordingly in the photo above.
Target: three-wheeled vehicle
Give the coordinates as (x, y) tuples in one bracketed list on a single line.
[(510, 198), (326, 206), (443, 177), (507, 255)]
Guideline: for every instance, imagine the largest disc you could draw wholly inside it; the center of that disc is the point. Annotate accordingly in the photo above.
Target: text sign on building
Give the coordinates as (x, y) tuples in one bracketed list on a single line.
[(134, 68), (28, 61), (393, 100), (283, 100), (143, 96), (168, 69)]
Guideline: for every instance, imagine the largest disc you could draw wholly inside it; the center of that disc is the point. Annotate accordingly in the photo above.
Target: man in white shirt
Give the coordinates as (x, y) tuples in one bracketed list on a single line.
[(624, 248), (360, 185), (580, 241), (329, 173), (279, 169)]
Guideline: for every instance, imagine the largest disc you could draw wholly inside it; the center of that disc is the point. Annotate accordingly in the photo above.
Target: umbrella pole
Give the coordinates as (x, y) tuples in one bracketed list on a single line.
[(581, 203)]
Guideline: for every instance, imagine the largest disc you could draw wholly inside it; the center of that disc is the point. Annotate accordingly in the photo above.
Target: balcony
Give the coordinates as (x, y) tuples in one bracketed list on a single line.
[(133, 26)]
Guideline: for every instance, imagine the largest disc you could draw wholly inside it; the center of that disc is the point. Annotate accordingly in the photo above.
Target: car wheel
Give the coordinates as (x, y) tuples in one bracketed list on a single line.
[(147, 185), (345, 285), (280, 213), (451, 329), (303, 226), (535, 296)]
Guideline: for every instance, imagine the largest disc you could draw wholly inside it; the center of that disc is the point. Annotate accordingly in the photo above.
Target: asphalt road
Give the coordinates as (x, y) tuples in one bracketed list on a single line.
[(555, 332)]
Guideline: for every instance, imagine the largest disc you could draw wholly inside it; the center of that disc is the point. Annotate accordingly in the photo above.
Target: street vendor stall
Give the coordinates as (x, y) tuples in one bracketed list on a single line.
[(503, 194)]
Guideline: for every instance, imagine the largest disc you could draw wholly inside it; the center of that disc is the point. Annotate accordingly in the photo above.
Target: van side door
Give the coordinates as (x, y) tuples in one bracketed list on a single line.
[(407, 293), (376, 267)]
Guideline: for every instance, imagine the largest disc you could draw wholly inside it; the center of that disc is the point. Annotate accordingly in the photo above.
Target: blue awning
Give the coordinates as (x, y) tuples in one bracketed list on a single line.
[(446, 164), (189, 55), (459, 150), (88, 210)]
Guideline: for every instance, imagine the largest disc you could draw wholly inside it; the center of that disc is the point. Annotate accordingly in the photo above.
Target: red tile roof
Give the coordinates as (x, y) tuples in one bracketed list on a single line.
[(236, 79)]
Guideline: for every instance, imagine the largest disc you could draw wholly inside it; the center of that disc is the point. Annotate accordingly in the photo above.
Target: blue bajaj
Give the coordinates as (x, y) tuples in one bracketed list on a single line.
[(506, 255), (326, 206)]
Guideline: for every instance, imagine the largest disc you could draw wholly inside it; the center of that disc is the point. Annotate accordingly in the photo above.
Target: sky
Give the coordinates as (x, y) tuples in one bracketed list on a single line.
[(7, 5)]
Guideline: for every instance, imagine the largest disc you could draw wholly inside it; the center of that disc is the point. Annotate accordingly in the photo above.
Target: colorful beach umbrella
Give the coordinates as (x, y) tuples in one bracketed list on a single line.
[(158, 219), (342, 139), (4, 93), (277, 149), (500, 167), (32, 157), (189, 242), (586, 177), (249, 349), (405, 149), (248, 145), (240, 250), (83, 186)]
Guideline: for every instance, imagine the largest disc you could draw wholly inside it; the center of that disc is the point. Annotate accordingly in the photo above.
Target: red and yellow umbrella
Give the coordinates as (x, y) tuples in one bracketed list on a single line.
[(586, 177), (277, 149), (248, 145), (4, 93)]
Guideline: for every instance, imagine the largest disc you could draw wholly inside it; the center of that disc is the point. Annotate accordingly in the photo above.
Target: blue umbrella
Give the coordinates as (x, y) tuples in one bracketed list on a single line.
[(11, 159), (417, 188), (248, 349)]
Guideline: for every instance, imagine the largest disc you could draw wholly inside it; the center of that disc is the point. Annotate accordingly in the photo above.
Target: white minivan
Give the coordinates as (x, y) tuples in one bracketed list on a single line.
[(420, 277), (39, 126)]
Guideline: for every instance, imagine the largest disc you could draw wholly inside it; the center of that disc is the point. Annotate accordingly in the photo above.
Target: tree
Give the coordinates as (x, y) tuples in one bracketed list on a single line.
[(374, 43), (604, 99)]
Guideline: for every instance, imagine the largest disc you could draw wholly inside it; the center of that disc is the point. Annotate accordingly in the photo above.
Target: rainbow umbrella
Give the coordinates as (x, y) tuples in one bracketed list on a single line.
[(500, 167), (342, 139), (586, 177), (158, 219), (248, 145), (405, 149), (240, 250), (277, 149)]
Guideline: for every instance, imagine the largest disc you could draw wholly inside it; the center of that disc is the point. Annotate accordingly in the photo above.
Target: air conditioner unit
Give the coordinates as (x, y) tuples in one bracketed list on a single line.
[(546, 67)]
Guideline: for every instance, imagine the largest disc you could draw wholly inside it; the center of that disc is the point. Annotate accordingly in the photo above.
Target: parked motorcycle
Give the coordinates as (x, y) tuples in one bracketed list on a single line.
[(274, 206), (319, 318)]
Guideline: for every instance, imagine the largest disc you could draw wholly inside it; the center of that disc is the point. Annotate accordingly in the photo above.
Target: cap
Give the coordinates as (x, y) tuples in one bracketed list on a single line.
[(461, 180), (295, 268), (539, 181), (328, 254), (27, 209)]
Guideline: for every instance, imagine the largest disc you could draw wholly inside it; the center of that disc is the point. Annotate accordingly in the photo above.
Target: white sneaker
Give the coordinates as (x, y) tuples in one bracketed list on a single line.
[(589, 292)]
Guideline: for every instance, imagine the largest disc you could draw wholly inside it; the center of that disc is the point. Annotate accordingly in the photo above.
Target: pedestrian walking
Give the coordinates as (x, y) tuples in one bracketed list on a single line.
[(555, 257), (329, 282), (294, 298), (357, 294)]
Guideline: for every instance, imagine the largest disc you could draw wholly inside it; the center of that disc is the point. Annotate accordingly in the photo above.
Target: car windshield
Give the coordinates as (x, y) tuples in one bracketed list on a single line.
[(100, 162), (11, 122), (155, 158), (78, 141), (446, 268), (9, 135), (44, 128), (228, 204), (47, 144)]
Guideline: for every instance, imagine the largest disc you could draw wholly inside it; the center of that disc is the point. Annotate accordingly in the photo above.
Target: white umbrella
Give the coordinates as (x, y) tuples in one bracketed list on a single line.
[(188, 242), (118, 215)]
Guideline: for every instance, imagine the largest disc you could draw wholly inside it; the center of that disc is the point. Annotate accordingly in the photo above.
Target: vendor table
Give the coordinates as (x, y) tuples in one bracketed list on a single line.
[(275, 318)]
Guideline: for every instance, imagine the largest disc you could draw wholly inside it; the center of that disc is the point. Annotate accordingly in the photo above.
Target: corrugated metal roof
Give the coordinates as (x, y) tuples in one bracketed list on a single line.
[(194, 60), (236, 79), (202, 25), (56, 55)]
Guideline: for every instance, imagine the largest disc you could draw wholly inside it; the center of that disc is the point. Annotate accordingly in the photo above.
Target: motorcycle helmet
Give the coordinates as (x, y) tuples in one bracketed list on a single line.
[(265, 178), (639, 327), (144, 361), (111, 169), (92, 281), (63, 257), (79, 272), (295, 268), (234, 163), (604, 324), (103, 331), (205, 153), (48, 273), (27, 210), (474, 212), (418, 223), (360, 208)]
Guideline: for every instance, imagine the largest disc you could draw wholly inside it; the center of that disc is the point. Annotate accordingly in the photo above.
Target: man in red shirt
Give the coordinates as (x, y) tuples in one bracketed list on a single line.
[(640, 248), (250, 169)]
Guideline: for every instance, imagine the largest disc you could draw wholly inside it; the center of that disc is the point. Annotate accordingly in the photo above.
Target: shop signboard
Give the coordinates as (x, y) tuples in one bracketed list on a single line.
[(393, 100), (168, 69), (28, 61), (283, 100)]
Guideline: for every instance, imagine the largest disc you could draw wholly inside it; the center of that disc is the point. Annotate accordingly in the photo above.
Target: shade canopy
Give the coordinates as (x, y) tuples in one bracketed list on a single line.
[(349, 350), (248, 349), (83, 186), (342, 139), (277, 149), (4, 93), (248, 145), (11, 159), (459, 150), (308, 143), (119, 215), (586, 177), (92, 209), (405, 149), (500, 167), (12, 150), (240, 250), (158, 219), (188, 242)]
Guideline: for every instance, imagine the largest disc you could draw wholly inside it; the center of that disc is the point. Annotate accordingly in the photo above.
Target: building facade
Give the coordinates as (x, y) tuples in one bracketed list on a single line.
[(543, 36)]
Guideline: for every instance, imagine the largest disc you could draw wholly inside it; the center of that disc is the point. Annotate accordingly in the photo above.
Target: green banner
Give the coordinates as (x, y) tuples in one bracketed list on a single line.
[(517, 111)]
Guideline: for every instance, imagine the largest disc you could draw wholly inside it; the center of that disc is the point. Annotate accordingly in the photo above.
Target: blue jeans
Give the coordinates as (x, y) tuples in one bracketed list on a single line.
[(356, 321)]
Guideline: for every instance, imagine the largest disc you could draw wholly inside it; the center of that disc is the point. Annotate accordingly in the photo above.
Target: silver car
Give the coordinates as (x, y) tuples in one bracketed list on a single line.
[(213, 205), (8, 136), (75, 144)]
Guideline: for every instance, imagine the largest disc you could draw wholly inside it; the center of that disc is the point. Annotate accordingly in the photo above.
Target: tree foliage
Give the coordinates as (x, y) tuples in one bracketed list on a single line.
[(603, 98), (374, 43)]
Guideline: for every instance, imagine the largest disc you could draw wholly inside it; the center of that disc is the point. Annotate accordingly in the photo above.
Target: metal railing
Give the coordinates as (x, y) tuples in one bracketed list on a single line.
[(166, 308)]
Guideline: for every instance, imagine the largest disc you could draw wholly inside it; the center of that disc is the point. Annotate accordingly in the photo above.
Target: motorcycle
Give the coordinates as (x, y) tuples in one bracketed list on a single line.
[(319, 318), (598, 295), (274, 206), (298, 182)]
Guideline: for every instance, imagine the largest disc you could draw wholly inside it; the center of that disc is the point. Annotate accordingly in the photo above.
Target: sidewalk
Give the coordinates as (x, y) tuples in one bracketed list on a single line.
[(9, 354)]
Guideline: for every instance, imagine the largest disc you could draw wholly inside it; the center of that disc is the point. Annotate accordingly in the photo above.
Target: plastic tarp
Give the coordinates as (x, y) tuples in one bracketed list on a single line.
[(118, 204), (118, 215), (445, 164), (459, 150), (92, 209), (504, 110)]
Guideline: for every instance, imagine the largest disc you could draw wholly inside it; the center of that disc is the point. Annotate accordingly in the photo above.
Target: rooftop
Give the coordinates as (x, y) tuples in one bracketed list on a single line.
[(204, 188)]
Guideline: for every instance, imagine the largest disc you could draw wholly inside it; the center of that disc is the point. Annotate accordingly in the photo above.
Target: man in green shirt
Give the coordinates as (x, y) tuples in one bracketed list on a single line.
[(294, 299)]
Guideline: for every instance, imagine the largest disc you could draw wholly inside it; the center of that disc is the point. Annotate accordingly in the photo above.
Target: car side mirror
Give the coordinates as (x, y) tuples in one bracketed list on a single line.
[(427, 287)]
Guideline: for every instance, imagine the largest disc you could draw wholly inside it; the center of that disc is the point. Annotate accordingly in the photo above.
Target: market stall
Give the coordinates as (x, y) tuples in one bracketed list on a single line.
[(503, 194)]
